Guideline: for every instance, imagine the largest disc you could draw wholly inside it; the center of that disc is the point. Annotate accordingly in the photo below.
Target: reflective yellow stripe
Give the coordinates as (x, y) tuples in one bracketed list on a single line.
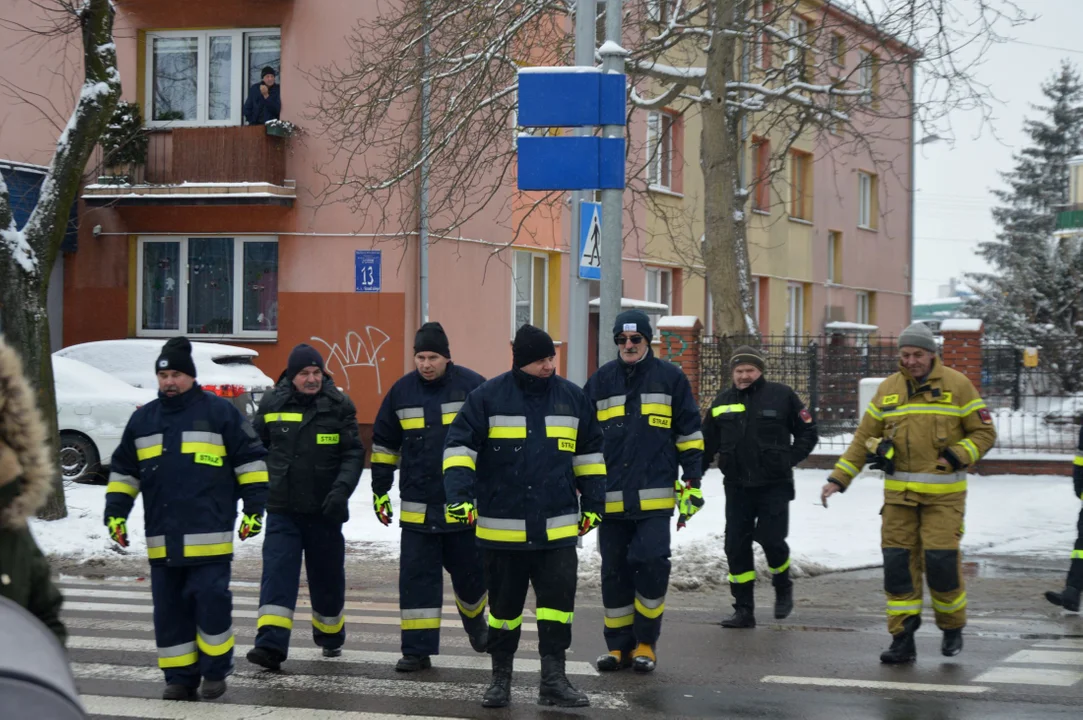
[(459, 461), (156, 553), (1077, 554), (952, 607), (744, 577), (590, 469), (904, 607), (559, 533), (781, 568), (652, 612), (203, 447), (329, 628), (658, 503), (619, 622), (610, 413), (971, 407), (472, 610), (412, 517), (421, 624), (872, 410), (507, 624), (971, 449), (179, 660), (121, 487), (448, 417), (213, 648), (930, 488), (501, 432), (1078, 460), (657, 409), (847, 467), (283, 417), (560, 431), (207, 550), (252, 477), (552, 615), (276, 620), (148, 452), (615, 507), (385, 459), (515, 536), (722, 409), (412, 423), (690, 445)]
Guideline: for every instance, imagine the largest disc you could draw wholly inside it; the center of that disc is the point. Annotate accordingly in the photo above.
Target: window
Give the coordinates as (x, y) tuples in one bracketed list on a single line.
[(868, 77), (202, 77), (862, 315), (530, 280), (659, 290), (756, 305), (867, 209), (658, 10), (213, 286), (660, 150), (764, 56), (800, 185), (795, 312), (761, 196), (795, 53), (836, 49), (834, 256)]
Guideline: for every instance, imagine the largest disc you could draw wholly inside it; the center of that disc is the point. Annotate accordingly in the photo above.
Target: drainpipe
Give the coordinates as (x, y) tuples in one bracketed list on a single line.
[(423, 200), (913, 191)]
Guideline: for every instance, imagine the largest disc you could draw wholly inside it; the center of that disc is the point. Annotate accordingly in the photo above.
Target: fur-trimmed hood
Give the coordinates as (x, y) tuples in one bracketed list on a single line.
[(25, 456)]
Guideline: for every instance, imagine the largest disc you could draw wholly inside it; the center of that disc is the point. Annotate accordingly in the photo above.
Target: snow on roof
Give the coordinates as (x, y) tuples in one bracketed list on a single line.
[(961, 325), (559, 69), (612, 48), (857, 327), (679, 321), (634, 304)]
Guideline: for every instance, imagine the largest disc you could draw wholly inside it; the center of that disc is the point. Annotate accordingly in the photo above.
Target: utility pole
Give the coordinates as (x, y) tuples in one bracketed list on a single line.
[(611, 243)]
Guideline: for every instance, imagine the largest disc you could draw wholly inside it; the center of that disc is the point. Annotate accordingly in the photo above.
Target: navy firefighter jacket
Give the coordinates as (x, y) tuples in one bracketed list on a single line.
[(651, 424), (409, 434), (191, 456), (527, 452)]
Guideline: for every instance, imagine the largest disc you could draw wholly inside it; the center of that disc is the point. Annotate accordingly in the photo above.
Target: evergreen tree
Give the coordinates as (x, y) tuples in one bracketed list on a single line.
[(1034, 296)]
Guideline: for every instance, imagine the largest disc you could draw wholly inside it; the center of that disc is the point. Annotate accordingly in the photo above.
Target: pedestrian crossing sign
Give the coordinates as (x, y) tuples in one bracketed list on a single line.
[(590, 236)]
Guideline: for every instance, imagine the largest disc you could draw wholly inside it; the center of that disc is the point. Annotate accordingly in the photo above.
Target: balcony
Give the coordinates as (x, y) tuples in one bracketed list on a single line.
[(201, 166), (1070, 221)]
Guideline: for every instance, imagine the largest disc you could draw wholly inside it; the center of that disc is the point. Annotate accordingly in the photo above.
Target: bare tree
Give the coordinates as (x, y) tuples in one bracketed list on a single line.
[(27, 254), (746, 67)]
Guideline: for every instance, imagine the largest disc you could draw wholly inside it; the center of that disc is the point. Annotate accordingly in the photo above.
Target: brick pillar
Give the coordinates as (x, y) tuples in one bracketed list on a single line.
[(962, 347), (678, 342)]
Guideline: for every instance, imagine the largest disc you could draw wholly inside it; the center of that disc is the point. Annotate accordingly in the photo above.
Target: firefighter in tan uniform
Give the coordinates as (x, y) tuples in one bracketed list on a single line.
[(924, 428)]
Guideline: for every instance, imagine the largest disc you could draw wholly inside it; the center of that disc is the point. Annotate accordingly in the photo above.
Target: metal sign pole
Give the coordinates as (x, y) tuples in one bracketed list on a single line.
[(612, 202)]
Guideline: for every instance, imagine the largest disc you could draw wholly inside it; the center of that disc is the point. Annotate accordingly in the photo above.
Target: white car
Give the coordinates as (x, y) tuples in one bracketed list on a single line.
[(225, 370), (93, 408)]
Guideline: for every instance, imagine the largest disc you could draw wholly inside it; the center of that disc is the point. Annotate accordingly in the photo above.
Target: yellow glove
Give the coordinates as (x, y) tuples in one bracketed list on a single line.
[(689, 502), (382, 505), (463, 512), (588, 521), (118, 531), (251, 526)]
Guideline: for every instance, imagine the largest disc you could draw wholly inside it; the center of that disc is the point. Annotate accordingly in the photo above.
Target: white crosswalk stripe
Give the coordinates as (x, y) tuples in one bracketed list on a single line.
[(1058, 653), (124, 707)]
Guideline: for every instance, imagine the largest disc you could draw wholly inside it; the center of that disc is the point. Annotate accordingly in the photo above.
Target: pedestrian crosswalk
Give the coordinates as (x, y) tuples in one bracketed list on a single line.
[(1056, 662), (113, 654)]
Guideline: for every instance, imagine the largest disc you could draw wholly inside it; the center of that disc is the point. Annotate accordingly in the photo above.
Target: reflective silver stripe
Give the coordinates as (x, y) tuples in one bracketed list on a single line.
[(656, 398), (650, 604), (504, 523), (459, 451), (257, 466), (156, 541), (124, 479), (471, 607), (588, 459), (419, 614), (276, 610), (561, 521), (327, 619), (697, 435), (413, 507), (381, 450), (562, 421), (203, 437), (208, 538), (141, 443), (412, 412), (620, 612), (178, 650), (214, 639), (452, 407), (610, 402), (507, 421), (653, 493), (930, 478), (615, 496)]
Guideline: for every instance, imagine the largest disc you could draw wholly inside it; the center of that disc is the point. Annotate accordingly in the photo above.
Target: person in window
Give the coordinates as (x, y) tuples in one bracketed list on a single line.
[(264, 99)]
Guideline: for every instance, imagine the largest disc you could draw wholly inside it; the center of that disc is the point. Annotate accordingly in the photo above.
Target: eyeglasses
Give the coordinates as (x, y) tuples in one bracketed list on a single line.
[(621, 339)]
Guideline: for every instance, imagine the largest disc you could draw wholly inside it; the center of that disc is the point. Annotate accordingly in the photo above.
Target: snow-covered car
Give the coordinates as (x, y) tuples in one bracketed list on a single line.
[(225, 370), (92, 409)]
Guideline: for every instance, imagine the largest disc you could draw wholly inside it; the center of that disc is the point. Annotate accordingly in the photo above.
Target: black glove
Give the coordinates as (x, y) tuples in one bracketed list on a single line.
[(881, 455), (336, 507), (948, 455)]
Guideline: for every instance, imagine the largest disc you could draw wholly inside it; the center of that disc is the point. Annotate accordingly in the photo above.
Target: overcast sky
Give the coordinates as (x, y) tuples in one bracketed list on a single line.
[(953, 180)]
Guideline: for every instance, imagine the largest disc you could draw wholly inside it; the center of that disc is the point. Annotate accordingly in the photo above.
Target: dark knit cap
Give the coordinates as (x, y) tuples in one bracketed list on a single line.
[(176, 355), (530, 345), (431, 337), (268, 70), (747, 355), (633, 321), (301, 357)]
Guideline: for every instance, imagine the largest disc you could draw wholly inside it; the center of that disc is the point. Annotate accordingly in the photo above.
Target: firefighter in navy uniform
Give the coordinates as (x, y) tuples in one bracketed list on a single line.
[(652, 432), (1068, 598), (315, 459), (192, 455), (759, 431), (527, 450), (409, 435)]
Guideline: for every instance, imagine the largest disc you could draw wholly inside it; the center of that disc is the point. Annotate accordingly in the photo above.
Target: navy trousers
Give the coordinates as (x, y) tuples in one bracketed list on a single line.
[(193, 622), (288, 536), (635, 576), (423, 557), (1075, 570)]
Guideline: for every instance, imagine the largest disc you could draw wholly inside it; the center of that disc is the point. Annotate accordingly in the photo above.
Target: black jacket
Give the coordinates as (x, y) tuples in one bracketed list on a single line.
[(759, 434), (409, 434), (1077, 467), (258, 109), (313, 446)]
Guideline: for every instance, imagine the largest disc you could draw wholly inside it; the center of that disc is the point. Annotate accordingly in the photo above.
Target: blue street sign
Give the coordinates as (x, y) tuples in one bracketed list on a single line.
[(367, 270), (570, 97), (590, 237), (570, 163)]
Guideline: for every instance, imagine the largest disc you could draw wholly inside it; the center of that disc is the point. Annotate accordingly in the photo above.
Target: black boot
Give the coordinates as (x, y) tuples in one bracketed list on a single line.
[(952, 644), (413, 663), (265, 657), (332, 652), (499, 693), (213, 689), (480, 640), (783, 601), (614, 660), (180, 692), (1068, 598), (742, 617), (555, 688), (643, 658), (902, 648)]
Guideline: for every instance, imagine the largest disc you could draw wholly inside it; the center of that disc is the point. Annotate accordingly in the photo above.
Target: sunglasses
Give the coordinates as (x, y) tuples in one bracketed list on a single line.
[(621, 339)]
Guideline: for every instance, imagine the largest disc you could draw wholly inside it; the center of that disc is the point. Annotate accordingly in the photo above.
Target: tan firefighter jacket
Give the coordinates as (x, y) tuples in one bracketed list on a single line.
[(944, 414)]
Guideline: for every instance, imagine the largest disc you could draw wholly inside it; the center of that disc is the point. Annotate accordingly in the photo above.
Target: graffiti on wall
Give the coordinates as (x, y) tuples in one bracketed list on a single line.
[(667, 338), (358, 350)]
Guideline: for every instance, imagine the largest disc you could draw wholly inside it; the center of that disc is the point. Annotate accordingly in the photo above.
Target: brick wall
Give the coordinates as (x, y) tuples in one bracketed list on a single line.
[(678, 342), (962, 352)]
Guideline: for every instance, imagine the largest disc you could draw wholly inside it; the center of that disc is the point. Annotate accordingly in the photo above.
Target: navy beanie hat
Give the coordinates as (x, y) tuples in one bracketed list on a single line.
[(301, 357), (530, 345), (176, 355), (633, 321), (431, 337)]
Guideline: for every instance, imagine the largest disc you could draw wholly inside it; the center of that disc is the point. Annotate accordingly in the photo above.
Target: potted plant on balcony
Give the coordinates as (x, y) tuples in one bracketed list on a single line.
[(124, 146)]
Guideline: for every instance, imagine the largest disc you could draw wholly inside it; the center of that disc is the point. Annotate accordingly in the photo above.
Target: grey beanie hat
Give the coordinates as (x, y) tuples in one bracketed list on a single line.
[(918, 335)]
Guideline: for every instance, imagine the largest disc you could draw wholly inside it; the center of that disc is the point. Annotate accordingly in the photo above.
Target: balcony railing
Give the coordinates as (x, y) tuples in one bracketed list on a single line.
[(1071, 218)]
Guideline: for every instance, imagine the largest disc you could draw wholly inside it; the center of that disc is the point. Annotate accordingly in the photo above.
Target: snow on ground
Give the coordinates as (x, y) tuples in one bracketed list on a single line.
[(1032, 516)]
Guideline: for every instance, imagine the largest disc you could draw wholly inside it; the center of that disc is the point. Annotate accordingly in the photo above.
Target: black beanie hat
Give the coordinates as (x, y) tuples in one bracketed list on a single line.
[(530, 345), (431, 337), (633, 321), (301, 357), (747, 355), (268, 70), (176, 355)]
